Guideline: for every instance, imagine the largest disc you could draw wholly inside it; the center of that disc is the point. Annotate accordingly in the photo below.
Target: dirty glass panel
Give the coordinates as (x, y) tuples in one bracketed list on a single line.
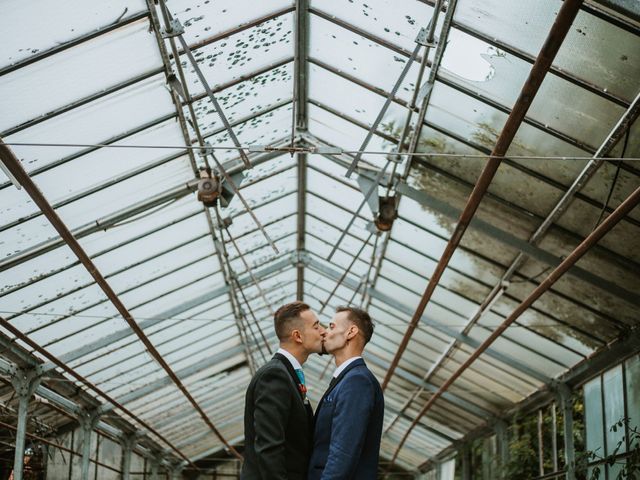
[(258, 257), (338, 217), (602, 54), (95, 122), (89, 172), (396, 22), (181, 209), (632, 379), (264, 129), (247, 98), (354, 101), (234, 57), (76, 73), (259, 193), (593, 410), (579, 114), (32, 27), (558, 105), (468, 118), (202, 20), (266, 213), (612, 384), (334, 130), (521, 24), (78, 214), (360, 57)]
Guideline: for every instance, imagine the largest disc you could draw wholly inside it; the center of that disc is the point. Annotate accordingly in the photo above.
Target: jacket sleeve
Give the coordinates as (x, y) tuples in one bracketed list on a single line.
[(354, 406), (272, 402)]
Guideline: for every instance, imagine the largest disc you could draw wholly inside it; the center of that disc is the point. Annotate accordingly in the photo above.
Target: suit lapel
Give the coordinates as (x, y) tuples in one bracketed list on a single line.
[(353, 364), (292, 373)]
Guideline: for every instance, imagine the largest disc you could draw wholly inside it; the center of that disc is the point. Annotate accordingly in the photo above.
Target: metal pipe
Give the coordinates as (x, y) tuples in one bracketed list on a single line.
[(564, 393), (87, 422), (127, 448), (458, 138), (18, 459), (344, 274), (384, 108), (15, 167), (540, 445), (625, 122), (611, 221), (551, 46)]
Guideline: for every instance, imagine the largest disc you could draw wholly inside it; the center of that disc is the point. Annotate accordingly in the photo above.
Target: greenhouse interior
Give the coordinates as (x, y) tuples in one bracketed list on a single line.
[(465, 171)]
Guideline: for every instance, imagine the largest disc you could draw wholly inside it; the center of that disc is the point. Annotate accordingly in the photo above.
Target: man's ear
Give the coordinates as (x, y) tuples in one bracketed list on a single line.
[(353, 332), (296, 336)]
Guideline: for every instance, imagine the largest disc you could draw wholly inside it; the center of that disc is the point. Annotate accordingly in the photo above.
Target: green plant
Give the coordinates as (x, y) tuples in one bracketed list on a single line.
[(629, 461)]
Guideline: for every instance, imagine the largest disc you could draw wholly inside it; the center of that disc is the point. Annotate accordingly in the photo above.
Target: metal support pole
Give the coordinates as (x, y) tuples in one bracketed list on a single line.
[(540, 445), (24, 382), (502, 437), (564, 396), (176, 473), (466, 462), (155, 463), (554, 437), (128, 442), (88, 421)]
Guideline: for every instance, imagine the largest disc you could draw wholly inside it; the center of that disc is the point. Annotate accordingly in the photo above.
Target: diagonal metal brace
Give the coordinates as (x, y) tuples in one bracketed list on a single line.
[(420, 39), (176, 26)]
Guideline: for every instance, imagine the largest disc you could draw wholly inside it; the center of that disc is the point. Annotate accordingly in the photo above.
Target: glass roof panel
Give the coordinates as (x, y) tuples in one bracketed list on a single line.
[(396, 22), (247, 98), (89, 171), (336, 131), (173, 212), (233, 57), (203, 19), (359, 57), (594, 50), (263, 129), (94, 122), (274, 210), (117, 197), (75, 73), (34, 28)]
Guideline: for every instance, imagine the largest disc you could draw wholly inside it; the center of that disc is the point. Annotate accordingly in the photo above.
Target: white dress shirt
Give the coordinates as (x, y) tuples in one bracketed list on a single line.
[(344, 365), (292, 360)]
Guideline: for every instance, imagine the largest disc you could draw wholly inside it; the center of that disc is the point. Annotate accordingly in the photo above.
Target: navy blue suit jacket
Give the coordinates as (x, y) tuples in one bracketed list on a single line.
[(348, 427)]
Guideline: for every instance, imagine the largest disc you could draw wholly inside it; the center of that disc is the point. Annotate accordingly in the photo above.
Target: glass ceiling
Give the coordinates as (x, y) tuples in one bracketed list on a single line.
[(106, 121)]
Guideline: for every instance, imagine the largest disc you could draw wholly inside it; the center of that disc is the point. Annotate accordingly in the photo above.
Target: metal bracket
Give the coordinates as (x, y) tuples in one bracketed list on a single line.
[(24, 382), (89, 419), (175, 28), (421, 38)]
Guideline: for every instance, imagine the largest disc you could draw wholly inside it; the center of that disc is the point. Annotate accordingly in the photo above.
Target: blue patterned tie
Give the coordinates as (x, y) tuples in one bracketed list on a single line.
[(300, 374)]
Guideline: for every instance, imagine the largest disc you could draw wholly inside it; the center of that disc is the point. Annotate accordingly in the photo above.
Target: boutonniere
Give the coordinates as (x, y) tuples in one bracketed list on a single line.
[(303, 389)]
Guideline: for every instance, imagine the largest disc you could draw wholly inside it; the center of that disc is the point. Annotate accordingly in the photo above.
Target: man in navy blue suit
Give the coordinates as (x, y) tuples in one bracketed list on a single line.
[(348, 421)]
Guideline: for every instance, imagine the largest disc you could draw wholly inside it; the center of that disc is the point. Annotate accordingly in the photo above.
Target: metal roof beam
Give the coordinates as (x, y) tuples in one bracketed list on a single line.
[(168, 314), (427, 321), (493, 42), (439, 206), (183, 374), (15, 167)]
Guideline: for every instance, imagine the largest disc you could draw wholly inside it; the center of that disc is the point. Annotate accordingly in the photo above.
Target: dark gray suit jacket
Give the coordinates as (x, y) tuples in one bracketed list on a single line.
[(278, 425)]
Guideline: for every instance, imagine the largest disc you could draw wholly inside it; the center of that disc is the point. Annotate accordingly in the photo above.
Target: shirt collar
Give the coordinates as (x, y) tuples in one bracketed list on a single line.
[(344, 365), (292, 360)]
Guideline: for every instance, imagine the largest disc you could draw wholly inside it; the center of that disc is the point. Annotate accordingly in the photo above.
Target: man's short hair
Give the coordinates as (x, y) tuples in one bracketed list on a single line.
[(285, 316), (361, 319)]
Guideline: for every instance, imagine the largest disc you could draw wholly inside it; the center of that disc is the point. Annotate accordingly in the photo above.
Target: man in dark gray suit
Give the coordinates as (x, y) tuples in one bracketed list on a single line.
[(348, 421), (278, 419)]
